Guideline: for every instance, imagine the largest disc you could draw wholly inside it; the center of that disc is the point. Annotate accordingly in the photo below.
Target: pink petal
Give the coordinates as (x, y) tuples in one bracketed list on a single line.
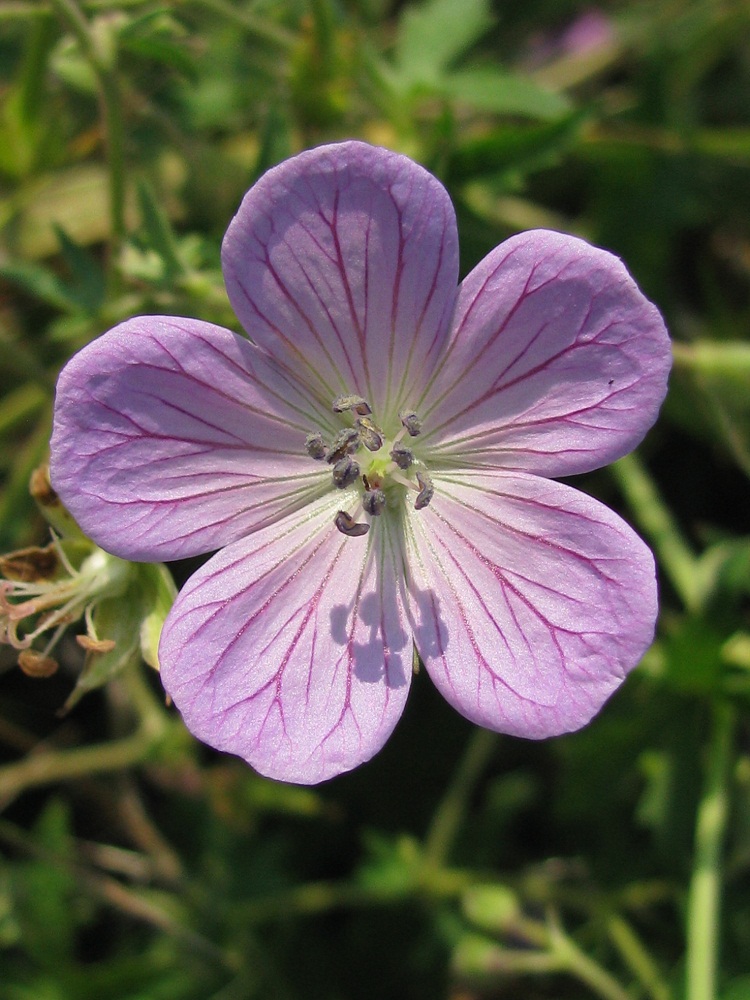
[(174, 437), (557, 363), (342, 263), (290, 648), (530, 600)]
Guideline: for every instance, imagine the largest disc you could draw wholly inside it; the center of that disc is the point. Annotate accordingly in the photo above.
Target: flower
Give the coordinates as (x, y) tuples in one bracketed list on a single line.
[(45, 591), (372, 465)]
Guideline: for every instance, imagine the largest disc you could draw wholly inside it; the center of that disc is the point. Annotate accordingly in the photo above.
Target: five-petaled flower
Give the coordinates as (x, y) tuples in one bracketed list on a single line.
[(372, 465)]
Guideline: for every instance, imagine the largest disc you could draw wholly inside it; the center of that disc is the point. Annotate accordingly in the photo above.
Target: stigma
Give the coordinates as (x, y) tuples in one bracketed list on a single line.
[(376, 461)]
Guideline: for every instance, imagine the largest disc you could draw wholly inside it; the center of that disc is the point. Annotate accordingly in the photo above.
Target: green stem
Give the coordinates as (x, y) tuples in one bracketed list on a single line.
[(703, 917), (109, 94), (577, 963), (637, 958), (708, 357), (52, 766), (656, 520), (451, 810), (64, 765)]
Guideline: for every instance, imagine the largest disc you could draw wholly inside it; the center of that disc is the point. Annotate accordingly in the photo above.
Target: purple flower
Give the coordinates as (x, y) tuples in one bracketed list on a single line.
[(372, 466)]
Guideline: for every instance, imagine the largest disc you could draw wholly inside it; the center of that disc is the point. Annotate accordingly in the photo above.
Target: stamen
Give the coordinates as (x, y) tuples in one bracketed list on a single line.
[(374, 502), (348, 526), (427, 489), (35, 664), (403, 457), (345, 472), (371, 435), (346, 442), (411, 422), (316, 446), (356, 403)]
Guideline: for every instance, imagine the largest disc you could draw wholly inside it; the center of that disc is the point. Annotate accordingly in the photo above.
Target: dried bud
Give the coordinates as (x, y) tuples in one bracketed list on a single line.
[(30, 565)]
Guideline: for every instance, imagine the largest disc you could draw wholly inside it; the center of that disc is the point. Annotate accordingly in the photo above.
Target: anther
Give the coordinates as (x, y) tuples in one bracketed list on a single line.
[(356, 403), (348, 526), (426, 491), (316, 446), (345, 443), (370, 434), (403, 457), (374, 502), (345, 472), (411, 422)]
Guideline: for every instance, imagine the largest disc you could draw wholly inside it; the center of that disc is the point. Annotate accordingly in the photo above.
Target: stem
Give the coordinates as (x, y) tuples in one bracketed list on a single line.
[(637, 957), (451, 810), (703, 917), (656, 520), (109, 95), (577, 963), (64, 765), (731, 361), (51, 766)]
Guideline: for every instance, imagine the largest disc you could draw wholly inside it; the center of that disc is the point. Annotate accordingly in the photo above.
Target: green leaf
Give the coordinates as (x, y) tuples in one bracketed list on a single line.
[(87, 286), (433, 35), (40, 282), (159, 592), (159, 231), (490, 89), (514, 147)]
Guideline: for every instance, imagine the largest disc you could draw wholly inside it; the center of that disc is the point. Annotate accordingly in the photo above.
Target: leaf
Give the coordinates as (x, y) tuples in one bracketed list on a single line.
[(514, 147), (490, 89), (40, 282), (433, 35), (159, 231), (159, 592), (87, 286)]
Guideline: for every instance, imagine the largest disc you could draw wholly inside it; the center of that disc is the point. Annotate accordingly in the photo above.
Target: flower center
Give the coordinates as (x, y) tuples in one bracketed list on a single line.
[(362, 455)]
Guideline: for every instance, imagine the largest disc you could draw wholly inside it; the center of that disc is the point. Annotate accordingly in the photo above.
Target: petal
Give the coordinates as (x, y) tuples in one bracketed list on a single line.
[(342, 263), (557, 363), (174, 437), (530, 601), (290, 648)]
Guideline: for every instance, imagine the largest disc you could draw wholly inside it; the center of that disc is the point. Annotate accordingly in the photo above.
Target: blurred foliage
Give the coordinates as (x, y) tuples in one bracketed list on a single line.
[(611, 863)]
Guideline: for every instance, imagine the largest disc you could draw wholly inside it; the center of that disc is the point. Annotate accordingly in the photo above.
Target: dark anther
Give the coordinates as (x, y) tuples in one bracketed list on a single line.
[(411, 422), (371, 435), (345, 442), (316, 447), (374, 502), (345, 472), (426, 489), (348, 526), (403, 457), (356, 403)]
